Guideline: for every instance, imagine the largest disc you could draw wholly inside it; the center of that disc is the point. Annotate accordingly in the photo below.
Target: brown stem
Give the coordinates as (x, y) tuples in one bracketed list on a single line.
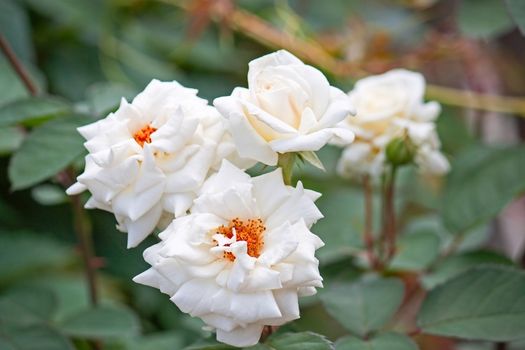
[(17, 66), (267, 332), (84, 234), (367, 235), (390, 216)]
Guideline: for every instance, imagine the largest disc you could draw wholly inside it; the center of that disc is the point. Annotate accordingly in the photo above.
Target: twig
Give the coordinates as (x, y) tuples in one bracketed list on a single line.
[(84, 234), (367, 235), (312, 52), (390, 215), (17, 66)]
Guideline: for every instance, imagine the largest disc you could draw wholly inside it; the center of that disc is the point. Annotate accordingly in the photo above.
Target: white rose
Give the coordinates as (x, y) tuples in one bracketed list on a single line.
[(288, 107), (389, 106), (149, 158), (361, 158), (242, 257)]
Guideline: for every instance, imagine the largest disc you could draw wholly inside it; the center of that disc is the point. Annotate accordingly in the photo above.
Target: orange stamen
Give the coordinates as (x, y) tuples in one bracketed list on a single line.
[(144, 135), (250, 231)]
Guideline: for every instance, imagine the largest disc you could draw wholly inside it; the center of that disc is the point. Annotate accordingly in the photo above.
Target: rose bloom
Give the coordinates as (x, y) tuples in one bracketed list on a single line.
[(388, 106), (148, 159), (243, 256), (287, 107)]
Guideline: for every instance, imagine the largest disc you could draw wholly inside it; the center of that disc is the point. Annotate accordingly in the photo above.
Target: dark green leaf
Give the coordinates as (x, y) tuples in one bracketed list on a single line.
[(24, 252), (342, 224), (105, 97), (416, 251), (101, 322), (456, 264), (157, 341), (483, 18), (14, 25), (385, 341), (32, 110), (11, 138), (41, 337), (481, 183), (485, 303), (46, 150), (10, 85), (40, 302), (300, 341), (363, 306), (516, 9)]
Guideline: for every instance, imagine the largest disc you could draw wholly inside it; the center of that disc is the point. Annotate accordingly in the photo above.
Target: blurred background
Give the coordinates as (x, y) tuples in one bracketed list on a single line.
[(83, 55)]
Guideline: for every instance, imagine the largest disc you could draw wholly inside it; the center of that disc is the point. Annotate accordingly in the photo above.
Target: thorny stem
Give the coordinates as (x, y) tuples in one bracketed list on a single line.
[(17, 66), (367, 235)]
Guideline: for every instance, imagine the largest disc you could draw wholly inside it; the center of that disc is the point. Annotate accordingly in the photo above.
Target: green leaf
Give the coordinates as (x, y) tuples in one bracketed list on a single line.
[(24, 252), (313, 159), (416, 251), (456, 264), (385, 341), (157, 341), (101, 322), (483, 18), (103, 98), (364, 306), (485, 303), (46, 151), (14, 25), (481, 183), (10, 85), (10, 139), (40, 302), (32, 110), (342, 224), (32, 337), (300, 341), (517, 12)]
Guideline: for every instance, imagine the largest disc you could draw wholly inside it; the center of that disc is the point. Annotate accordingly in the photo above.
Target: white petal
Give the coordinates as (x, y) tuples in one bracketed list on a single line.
[(241, 336)]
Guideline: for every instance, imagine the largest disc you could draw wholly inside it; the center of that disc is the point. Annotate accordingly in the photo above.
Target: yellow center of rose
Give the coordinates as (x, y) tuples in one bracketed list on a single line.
[(144, 135), (251, 231)]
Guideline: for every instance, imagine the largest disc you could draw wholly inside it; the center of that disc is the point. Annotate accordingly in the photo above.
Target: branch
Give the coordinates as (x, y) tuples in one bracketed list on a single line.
[(312, 52), (367, 235), (17, 66)]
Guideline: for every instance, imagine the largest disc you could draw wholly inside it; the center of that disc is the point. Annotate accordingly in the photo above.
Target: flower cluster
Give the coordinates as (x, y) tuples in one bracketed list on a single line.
[(235, 250), (390, 107)]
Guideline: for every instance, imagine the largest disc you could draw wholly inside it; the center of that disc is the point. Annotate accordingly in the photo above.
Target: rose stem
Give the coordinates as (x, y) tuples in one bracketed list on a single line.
[(85, 240), (81, 220), (17, 66), (367, 236), (390, 215)]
